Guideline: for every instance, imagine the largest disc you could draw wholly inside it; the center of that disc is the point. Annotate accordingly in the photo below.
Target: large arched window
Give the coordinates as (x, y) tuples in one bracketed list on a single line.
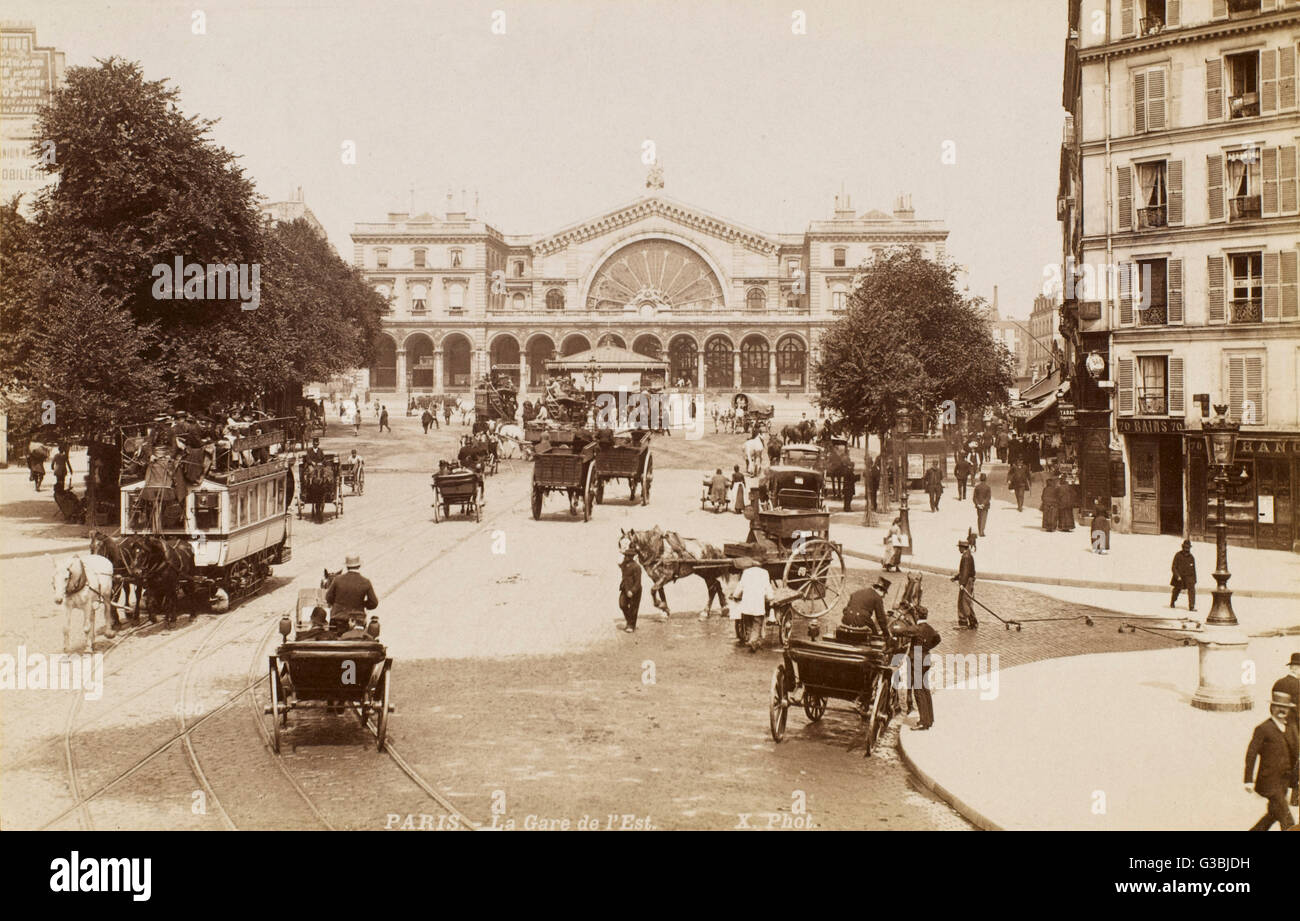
[(541, 349), (654, 275), (649, 346), (718, 364), (753, 363), (756, 299), (613, 339), (791, 363), (574, 344), (683, 359), (455, 362), (383, 373), (419, 298), (419, 350), (505, 351), (555, 299)]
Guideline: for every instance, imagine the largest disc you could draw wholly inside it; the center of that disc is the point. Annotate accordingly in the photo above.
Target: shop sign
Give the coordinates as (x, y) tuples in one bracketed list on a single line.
[(1268, 446), (1151, 427)]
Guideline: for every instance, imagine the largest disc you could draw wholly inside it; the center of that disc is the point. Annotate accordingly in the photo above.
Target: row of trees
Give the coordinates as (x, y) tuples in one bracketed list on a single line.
[(141, 184), (908, 343)]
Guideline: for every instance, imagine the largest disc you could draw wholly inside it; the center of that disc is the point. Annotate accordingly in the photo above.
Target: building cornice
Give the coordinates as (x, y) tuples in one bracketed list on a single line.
[(1261, 229), (1226, 335), (1227, 130), (1219, 28)]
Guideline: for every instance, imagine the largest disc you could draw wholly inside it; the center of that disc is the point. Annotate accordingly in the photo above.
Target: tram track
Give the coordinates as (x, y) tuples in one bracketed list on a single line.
[(186, 729)]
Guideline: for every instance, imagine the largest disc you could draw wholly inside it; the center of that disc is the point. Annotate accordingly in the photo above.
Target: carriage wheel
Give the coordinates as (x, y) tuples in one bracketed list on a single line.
[(785, 620), (359, 485), (647, 478), (876, 715), (779, 706), (437, 505), (816, 571), (537, 503), (814, 706), (600, 491), (381, 727), (589, 494), (276, 707)]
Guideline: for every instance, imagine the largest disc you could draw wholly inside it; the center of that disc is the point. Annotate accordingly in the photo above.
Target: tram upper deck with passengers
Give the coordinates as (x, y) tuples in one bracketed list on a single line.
[(226, 494)]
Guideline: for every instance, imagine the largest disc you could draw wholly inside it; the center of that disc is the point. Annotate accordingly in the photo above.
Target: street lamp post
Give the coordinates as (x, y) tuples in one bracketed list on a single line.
[(1222, 642), (591, 374)]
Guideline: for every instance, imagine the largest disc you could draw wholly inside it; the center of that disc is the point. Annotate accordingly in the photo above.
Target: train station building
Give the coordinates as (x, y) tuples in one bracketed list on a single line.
[(727, 306)]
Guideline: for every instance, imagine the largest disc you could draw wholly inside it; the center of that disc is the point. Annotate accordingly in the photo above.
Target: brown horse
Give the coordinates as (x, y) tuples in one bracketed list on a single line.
[(167, 575), (317, 485), (667, 557), (129, 556)]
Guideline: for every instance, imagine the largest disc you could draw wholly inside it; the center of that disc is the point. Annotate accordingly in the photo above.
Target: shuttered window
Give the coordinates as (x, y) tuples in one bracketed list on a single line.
[(1286, 78), (1125, 294), (1244, 374), (1214, 293), (1124, 386), (1289, 259), (1149, 103), (1268, 82), (1177, 402), (1272, 285), (1214, 186), (1213, 89), (1127, 18), (1124, 184), (1174, 171), (1175, 275), (1288, 180), (1269, 202), (1219, 9)]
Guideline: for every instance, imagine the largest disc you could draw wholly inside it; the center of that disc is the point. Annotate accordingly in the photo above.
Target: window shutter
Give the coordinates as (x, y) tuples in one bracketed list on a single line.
[(1155, 99), (1214, 186), (1139, 101), (1286, 88), (1126, 18), (1125, 294), (1266, 5), (1174, 274), (1220, 9), (1236, 385), (1288, 181), (1268, 159), (1214, 89), (1272, 285), (1176, 405), (1290, 260), (1125, 386), (1173, 13), (1124, 180), (1255, 386), (1214, 294), (1267, 82), (1174, 171)]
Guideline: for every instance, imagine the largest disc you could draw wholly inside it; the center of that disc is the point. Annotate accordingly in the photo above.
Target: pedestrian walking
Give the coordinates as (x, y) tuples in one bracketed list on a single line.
[(1018, 481), (753, 593), (1002, 444), (737, 490), (895, 541), (1064, 506), (922, 638), (965, 580), (383, 420), (1183, 568), (874, 483), (1290, 684), (933, 484), (1100, 535), (850, 484), (1275, 745), (629, 590), (1048, 502), (962, 471), (983, 497), (36, 464), (428, 420), (61, 467)]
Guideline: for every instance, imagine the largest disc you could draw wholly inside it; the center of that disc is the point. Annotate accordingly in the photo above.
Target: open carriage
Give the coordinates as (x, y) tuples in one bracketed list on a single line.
[(631, 461), (329, 674), (457, 486), (320, 484)]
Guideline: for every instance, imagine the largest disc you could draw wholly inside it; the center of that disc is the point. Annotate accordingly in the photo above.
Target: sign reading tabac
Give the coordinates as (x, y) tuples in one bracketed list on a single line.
[(1151, 426), (27, 73)]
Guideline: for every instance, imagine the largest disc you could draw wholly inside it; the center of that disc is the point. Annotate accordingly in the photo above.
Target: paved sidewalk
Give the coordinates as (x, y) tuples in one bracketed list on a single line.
[(1144, 759), (1016, 549)]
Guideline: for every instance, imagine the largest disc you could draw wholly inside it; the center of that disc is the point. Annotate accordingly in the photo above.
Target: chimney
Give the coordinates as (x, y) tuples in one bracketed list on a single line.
[(995, 299), (903, 207), (843, 208)]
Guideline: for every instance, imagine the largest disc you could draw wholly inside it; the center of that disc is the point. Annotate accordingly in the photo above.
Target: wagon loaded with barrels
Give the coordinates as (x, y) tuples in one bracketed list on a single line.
[(625, 457), (564, 461)]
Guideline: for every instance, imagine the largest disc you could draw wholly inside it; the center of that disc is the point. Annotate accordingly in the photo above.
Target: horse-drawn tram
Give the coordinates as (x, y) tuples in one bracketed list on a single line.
[(625, 457), (564, 460), (214, 513)]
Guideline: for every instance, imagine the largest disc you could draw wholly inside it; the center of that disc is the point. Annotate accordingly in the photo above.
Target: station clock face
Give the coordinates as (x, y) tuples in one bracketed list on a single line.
[(655, 275)]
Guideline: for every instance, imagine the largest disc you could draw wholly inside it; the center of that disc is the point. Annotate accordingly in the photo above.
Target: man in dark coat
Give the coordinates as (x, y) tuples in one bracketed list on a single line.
[(61, 466), (1049, 504), (965, 580), (383, 420), (1018, 483), (1276, 746), (1100, 536), (923, 638), (629, 590), (983, 498), (350, 592), (866, 608), (933, 484), (961, 470), (874, 483), (1064, 506), (1289, 684), (1183, 570), (850, 483), (314, 454)]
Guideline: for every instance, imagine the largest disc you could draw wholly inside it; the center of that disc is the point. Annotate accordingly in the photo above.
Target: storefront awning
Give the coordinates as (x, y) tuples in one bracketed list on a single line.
[(1033, 413)]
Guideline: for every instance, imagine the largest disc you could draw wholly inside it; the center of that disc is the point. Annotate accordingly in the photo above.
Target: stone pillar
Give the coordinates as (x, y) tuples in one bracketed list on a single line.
[(700, 380), (523, 375), (403, 382), (437, 371), (735, 369), (771, 372)]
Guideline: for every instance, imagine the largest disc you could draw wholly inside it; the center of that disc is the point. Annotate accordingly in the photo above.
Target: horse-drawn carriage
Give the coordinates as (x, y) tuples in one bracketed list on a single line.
[(831, 459), (496, 398), (625, 458), (565, 461), (319, 484), (335, 675), (754, 414), (457, 486)]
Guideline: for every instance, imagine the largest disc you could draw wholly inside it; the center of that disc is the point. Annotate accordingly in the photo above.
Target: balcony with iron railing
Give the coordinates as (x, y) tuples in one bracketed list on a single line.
[(1244, 207), (1153, 315), (1152, 401), (1152, 24), (1155, 216), (1244, 106), (1246, 310)]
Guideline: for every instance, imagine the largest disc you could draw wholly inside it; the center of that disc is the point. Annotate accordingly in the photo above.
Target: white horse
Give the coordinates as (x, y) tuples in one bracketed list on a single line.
[(466, 409), (85, 582), (755, 451), (511, 437)]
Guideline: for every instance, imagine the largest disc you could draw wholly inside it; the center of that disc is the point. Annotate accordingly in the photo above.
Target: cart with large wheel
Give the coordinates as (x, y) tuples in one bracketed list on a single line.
[(334, 675), (457, 487), (353, 474), (569, 468), (626, 461)]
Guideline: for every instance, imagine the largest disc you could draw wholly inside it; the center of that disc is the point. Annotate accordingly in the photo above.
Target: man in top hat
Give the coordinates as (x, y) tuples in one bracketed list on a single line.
[(866, 608), (965, 580), (314, 454), (1289, 684), (1183, 568), (753, 592), (351, 592), (923, 638), (1276, 746)]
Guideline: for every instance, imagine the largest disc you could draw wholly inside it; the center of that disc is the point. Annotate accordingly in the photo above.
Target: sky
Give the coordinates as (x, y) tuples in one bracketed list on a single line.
[(751, 120)]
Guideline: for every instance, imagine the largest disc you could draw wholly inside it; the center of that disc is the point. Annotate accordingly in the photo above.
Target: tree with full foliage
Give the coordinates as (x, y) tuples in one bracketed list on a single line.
[(140, 185), (908, 342)]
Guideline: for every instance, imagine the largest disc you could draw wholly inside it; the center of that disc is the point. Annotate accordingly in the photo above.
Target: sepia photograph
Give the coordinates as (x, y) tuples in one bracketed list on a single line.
[(678, 415)]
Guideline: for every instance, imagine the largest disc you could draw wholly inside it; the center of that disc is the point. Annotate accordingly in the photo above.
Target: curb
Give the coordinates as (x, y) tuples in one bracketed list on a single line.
[(975, 817), (1067, 583)]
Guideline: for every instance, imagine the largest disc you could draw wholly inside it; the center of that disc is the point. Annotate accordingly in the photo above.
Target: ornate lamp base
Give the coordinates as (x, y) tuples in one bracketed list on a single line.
[(1222, 655)]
